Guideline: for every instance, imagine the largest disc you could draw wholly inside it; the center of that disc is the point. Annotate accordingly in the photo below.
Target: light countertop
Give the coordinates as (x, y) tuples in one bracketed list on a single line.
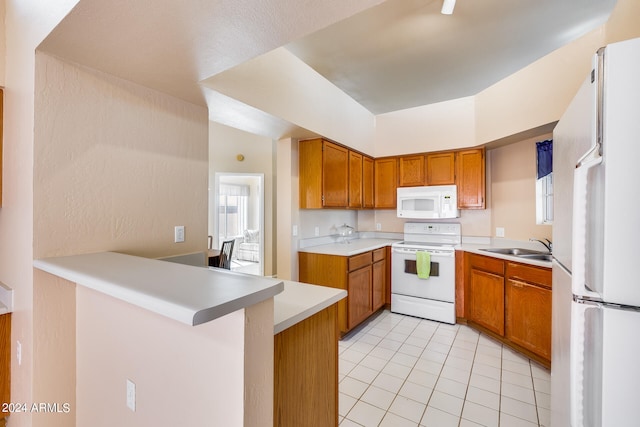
[(478, 249), (354, 247), (299, 301), (191, 295)]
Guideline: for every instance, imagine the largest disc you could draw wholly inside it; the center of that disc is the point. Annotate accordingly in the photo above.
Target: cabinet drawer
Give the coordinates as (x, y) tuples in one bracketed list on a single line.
[(485, 263), (535, 275), (359, 261), (379, 254)]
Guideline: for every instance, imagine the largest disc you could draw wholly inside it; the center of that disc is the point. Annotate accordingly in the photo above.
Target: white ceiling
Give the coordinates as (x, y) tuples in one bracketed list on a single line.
[(387, 55), (405, 53)]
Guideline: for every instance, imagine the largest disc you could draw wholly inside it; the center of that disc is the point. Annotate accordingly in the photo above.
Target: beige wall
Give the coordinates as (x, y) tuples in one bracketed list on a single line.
[(441, 126), (287, 212), (513, 190), (26, 23), (225, 143), (280, 84), (117, 166), (178, 369)]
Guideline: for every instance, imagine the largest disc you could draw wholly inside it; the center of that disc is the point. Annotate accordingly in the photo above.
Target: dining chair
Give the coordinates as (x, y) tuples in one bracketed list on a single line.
[(225, 254)]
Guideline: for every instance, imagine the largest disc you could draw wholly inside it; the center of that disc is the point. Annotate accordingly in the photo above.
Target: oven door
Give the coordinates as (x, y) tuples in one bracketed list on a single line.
[(439, 286)]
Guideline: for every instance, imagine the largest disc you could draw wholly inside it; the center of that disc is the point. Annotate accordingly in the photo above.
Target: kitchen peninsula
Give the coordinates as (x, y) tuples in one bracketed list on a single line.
[(211, 318)]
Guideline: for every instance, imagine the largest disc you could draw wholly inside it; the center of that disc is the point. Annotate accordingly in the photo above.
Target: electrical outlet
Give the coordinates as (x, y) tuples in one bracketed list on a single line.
[(131, 395), (378, 226), (19, 352), (499, 231), (295, 230), (178, 234), (317, 231)]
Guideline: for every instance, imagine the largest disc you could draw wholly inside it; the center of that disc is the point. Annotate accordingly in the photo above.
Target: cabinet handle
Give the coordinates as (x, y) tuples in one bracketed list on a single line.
[(518, 284)]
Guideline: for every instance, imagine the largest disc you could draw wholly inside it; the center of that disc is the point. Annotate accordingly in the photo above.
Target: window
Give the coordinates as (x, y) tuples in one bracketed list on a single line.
[(544, 182), (232, 213)]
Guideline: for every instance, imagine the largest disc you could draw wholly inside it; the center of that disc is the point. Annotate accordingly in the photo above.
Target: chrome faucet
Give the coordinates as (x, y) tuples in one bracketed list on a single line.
[(547, 245)]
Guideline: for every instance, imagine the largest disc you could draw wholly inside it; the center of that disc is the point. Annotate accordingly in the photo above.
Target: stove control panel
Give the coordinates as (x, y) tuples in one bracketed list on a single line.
[(450, 229)]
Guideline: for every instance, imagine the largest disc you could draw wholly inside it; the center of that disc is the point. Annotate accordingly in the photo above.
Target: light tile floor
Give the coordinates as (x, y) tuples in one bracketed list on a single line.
[(398, 371)]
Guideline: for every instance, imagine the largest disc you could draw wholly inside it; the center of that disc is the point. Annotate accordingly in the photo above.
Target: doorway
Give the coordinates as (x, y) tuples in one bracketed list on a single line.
[(239, 215)]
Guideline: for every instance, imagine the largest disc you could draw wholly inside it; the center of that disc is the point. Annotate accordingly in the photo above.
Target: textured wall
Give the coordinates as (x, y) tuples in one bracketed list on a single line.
[(117, 166)]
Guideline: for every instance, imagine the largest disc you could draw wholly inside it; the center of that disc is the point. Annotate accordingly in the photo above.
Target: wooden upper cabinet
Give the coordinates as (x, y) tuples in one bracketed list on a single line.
[(412, 171), (324, 174), (470, 178), (367, 182), (441, 168), (355, 180), (310, 165), (335, 175), (385, 182)]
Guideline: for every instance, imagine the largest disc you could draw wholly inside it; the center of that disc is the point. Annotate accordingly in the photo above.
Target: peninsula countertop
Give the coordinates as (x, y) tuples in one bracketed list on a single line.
[(300, 301), (349, 248), (191, 295)]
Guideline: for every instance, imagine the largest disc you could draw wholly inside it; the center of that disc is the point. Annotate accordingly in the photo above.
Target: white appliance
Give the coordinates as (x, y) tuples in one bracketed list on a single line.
[(595, 367), (431, 202), (432, 298)]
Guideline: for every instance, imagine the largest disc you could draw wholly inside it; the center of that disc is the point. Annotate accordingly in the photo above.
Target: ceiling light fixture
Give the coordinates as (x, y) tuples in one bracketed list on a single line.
[(447, 7)]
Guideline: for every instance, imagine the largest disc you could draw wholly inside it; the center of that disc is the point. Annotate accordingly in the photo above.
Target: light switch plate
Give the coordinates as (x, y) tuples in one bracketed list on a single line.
[(131, 395), (499, 231), (179, 234)]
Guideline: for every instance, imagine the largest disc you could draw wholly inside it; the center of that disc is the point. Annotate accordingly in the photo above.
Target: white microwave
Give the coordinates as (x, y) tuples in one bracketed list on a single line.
[(431, 202)]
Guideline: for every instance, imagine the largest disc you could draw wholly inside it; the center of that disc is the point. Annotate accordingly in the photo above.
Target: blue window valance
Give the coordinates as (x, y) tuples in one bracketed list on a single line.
[(545, 157)]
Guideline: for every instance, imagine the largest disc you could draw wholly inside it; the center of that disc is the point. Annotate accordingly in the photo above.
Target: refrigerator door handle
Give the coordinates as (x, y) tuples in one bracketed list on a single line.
[(597, 84), (586, 364), (580, 212)]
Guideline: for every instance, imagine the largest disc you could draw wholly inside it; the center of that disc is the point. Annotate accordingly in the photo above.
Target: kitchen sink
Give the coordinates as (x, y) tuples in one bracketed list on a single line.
[(514, 251), (522, 253), (539, 257)]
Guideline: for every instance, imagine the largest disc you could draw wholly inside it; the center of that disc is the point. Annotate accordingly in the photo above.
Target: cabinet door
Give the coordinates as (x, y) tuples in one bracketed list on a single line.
[(385, 182), (528, 322), (470, 179), (412, 171), (487, 300), (379, 285), (5, 361), (335, 175), (441, 168), (355, 180), (367, 182), (310, 173), (359, 289)]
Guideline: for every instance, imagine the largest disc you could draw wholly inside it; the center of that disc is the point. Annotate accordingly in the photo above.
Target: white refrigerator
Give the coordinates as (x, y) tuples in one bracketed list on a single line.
[(595, 367)]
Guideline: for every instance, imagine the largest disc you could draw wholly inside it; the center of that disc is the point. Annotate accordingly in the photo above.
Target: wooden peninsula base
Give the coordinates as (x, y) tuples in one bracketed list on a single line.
[(306, 372)]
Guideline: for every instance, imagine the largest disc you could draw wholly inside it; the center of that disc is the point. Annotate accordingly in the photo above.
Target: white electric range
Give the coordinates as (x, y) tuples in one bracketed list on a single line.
[(432, 298)]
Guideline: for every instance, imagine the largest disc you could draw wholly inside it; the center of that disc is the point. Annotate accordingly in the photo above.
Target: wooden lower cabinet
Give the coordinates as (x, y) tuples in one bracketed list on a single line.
[(486, 293), (359, 290), (5, 363), (363, 276), (511, 301), (528, 311), (306, 372), (487, 300), (378, 288)]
